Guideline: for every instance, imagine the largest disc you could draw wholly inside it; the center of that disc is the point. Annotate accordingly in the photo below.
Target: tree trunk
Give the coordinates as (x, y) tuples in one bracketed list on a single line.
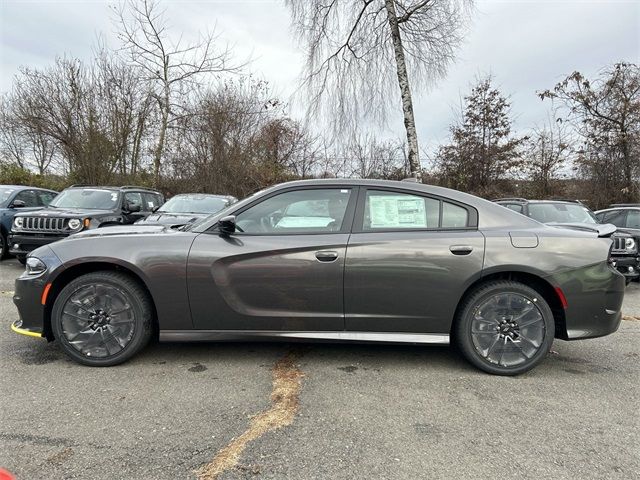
[(157, 157), (405, 92)]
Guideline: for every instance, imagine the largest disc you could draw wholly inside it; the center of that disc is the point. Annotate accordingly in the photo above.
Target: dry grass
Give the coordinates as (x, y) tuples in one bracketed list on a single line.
[(287, 382), (631, 317)]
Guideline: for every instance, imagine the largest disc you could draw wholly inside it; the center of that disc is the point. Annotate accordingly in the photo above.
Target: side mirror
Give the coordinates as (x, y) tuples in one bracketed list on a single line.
[(227, 225), (18, 204), (132, 208)]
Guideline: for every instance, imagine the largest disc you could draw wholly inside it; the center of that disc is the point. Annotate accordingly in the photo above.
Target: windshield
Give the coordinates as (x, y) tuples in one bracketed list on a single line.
[(5, 193), (194, 204), (561, 213), (91, 198)]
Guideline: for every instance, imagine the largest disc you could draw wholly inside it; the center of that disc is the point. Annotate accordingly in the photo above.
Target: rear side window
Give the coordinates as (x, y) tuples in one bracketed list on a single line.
[(132, 199), (385, 210), (633, 219), (454, 216), (151, 201)]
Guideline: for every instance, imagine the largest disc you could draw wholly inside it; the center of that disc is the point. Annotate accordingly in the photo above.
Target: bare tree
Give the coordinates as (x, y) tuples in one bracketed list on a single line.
[(357, 49), (368, 157), (606, 113), (171, 68), (547, 151)]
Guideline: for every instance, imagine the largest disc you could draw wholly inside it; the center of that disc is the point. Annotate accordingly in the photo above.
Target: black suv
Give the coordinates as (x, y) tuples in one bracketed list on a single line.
[(574, 214), (77, 208)]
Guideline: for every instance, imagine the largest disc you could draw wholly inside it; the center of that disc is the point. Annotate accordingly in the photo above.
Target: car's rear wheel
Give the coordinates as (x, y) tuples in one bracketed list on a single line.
[(504, 328), (102, 318)]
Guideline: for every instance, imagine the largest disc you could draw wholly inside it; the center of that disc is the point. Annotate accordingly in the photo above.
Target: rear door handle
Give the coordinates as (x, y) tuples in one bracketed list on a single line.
[(326, 255), (461, 249)]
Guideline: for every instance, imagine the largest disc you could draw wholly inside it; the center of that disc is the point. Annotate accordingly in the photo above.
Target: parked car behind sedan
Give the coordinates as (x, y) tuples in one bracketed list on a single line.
[(576, 215), (187, 208), (78, 208), (15, 199), (341, 260)]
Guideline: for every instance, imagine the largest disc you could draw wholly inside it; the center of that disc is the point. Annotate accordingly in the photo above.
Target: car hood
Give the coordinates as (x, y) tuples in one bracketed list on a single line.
[(66, 213), (136, 229), (165, 218), (602, 229)]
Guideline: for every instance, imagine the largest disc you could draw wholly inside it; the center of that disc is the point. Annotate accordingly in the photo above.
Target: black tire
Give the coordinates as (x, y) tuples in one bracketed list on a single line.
[(504, 318), (4, 248), (106, 327), (22, 259)]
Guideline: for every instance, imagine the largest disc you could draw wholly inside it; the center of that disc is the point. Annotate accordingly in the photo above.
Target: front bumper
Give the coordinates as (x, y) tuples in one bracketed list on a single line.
[(628, 266), (23, 244), (30, 297)]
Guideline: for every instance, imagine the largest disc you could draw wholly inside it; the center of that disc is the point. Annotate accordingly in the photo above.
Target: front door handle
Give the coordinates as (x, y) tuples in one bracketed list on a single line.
[(326, 255), (461, 249)]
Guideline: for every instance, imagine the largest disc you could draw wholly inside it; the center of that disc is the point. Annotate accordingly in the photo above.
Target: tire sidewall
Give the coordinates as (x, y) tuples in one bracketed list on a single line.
[(464, 336), (142, 325)]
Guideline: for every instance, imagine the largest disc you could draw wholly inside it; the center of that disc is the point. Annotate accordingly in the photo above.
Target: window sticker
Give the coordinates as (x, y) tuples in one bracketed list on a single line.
[(150, 204), (114, 196), (388, 211)]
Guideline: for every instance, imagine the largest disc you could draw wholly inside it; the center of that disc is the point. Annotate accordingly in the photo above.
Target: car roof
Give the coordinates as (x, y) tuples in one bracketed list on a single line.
[(212, 195), (27, 187), (524, 200), (111, 187), (611, 209)]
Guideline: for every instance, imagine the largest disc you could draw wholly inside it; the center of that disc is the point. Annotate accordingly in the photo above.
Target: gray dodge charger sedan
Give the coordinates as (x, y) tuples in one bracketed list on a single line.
[(331, 260)]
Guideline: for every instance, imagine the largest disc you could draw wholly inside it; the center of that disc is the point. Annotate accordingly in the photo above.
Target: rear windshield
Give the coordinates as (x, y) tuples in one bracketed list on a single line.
[(561, 213), (194, 204), (91, 198)]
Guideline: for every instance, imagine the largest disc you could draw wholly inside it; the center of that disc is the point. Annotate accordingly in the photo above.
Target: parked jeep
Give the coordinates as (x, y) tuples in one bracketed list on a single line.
[(77, 208), (16, 198), (576, 215)]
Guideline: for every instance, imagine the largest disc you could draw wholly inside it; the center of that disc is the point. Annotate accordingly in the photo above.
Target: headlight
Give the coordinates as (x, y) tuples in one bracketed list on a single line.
[(34, 266), (630, 244), (75, 224), (18, 222)]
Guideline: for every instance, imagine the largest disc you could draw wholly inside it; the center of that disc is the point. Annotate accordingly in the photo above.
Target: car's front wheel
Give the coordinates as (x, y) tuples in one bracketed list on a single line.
[(504, 328), (102, 318)]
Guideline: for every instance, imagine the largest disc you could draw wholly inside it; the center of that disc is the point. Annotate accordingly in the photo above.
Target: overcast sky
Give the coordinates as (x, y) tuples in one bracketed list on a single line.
[(526, 45)]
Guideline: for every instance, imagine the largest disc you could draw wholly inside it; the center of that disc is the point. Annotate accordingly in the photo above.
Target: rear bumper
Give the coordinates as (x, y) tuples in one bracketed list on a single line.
[(594, 301), (21, 244)]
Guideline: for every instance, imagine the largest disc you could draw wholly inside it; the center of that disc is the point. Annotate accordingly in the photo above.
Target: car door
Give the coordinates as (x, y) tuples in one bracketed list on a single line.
[(409, 259), (282, 269)]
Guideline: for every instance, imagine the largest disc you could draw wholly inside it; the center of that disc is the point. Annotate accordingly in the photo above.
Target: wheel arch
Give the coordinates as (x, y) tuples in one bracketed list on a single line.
[(75, 271), (533, 280)]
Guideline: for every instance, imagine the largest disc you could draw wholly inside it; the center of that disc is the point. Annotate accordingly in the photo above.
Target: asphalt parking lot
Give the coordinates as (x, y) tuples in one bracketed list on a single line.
[(256, 410)]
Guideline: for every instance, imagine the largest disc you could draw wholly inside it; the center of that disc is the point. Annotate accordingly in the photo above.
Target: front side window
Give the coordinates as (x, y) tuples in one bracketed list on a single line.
[(514, 206), (91, 198), (29, 198), (300, 211), (615, 217)]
